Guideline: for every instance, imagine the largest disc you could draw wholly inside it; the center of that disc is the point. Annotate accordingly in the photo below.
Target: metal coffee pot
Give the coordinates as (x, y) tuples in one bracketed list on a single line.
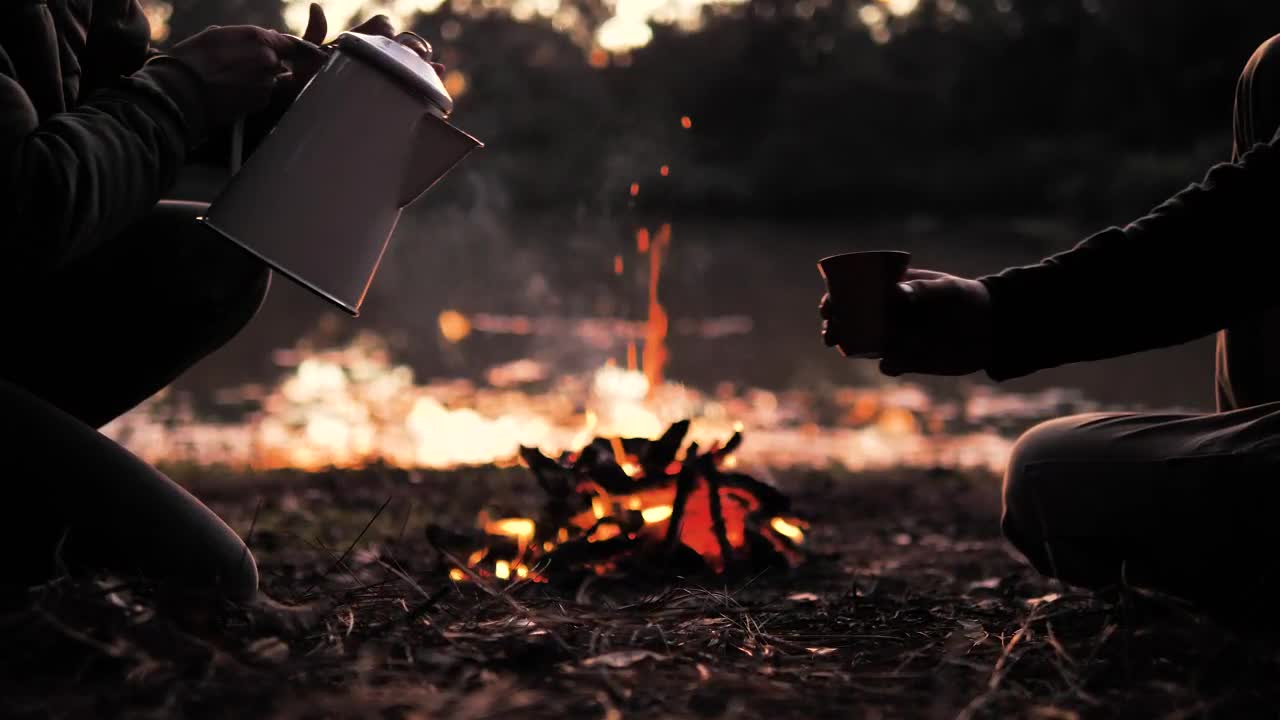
[(319, 198)]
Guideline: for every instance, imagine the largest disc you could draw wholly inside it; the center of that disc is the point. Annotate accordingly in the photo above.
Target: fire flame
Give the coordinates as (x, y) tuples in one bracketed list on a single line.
[(655, 341), (787, 529)]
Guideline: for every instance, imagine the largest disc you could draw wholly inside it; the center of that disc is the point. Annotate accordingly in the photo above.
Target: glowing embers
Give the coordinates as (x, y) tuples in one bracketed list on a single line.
[(635, 505)]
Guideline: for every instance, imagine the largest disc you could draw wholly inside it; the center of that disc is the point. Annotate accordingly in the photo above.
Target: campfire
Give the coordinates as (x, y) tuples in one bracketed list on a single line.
[(635, 505)]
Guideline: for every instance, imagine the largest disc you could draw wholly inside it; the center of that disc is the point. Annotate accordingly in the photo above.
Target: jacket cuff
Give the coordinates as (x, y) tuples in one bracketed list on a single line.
[(184, 88), (1008, 359)]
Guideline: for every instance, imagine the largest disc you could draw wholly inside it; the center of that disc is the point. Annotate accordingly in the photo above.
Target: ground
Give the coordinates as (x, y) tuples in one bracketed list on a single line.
[(911, 606)]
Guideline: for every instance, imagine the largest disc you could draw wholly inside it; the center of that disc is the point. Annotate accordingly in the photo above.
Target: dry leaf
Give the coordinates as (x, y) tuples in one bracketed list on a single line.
[(622, 658), (1042, 600), (270, 650), (988, 584), (973, 630), (1054, 713)]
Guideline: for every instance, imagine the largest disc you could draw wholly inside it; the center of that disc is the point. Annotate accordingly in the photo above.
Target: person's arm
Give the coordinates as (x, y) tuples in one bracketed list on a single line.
[(80, 177), (1190, 268), (74, 179)]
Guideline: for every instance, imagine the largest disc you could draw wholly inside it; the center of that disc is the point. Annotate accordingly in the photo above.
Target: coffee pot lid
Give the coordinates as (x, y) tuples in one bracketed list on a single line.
[(401, 62)]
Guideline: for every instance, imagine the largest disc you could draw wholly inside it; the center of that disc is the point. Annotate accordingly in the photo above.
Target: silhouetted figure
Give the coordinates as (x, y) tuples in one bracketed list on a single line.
[(111, 295), (1183, 503)]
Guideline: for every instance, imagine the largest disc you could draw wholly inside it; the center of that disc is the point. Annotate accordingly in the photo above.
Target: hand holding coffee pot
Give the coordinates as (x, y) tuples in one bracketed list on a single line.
[(379, 25)]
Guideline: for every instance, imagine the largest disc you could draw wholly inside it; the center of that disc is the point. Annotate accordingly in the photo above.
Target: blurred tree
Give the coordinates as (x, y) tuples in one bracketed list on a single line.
[(836, 107)]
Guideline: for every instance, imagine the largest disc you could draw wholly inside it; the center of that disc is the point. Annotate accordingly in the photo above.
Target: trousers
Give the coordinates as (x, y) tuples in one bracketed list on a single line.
[(86, 343), (1181, 503)]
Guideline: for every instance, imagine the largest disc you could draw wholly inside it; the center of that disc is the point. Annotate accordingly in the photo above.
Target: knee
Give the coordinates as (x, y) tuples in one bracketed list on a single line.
[(1045, 441), (232, 578), (214, 561), (238, 579), (220, 279), (229, 286), (248, 281), (1020, 518)]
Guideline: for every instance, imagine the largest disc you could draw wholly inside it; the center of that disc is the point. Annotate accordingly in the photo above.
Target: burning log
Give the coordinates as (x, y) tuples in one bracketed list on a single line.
[(635, 505)]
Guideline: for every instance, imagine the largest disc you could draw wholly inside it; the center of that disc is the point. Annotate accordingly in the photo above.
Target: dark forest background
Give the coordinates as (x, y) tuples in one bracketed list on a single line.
[(1036, 107), (980, 134)]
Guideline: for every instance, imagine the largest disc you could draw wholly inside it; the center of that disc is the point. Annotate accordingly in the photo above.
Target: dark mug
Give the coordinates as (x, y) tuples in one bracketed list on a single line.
[(861, 286)]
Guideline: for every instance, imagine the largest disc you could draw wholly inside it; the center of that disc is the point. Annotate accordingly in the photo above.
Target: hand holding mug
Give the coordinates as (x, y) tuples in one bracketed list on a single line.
[(942, 326), (918, 322)]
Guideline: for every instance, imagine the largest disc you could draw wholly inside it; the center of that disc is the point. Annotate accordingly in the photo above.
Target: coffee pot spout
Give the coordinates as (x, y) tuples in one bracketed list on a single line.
[(437, 147)]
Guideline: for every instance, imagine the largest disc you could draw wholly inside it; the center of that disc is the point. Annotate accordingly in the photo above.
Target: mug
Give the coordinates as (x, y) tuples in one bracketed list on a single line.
[(860, 286)]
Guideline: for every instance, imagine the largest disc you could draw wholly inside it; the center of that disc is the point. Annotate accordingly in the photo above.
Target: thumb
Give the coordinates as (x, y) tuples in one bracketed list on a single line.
[(317, 26), (922, 274), (290, 47), (897, 356), (902, 298), (887, 367)]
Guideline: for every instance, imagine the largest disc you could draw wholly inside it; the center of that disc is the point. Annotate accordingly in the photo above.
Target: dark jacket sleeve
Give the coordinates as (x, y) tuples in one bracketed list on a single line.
[(79, 177), (1197, 263)]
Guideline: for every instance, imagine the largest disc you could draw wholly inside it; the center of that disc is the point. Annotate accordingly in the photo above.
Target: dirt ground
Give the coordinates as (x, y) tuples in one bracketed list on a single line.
[(910, 606)]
